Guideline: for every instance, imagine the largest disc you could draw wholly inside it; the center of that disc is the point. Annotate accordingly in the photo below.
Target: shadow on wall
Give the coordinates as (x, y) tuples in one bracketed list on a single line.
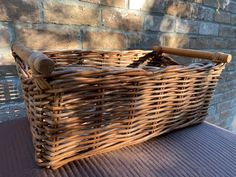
[(12, 10), (24, 24), (48, 37), (156, 29), (161, 29)]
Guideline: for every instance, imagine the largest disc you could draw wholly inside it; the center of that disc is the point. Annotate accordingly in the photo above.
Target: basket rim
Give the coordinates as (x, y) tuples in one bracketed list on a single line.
[(128, 71)]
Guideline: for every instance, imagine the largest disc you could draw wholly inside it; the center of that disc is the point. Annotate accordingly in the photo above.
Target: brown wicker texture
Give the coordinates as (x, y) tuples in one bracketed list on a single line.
[(98, 101)]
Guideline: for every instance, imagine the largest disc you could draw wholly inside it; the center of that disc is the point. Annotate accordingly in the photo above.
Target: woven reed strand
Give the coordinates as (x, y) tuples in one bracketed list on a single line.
[(96, 103)]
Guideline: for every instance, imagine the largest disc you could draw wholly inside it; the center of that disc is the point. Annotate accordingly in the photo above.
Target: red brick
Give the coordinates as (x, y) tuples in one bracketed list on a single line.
[(143, 41), (182, 9), (230, 43), (92, 1), (219, 43), (5, 51), (175, 40), (212, 3), (209, 28), (211, 119), (19, 10), (212, 114), (157, 23), (206, 13), (60, 13), (187, 26), (222, 17), (199, 43), (197, 1), (6, 57), (227, 86), (233, 19), (227, 31), (224, 115), (231, 6), (229, 76), (221, 123), (113, 3), (104, 40), (148, 41), (121, 20), (134, 41), (4, 37), (222, 97), (50, 38), (147, 5)]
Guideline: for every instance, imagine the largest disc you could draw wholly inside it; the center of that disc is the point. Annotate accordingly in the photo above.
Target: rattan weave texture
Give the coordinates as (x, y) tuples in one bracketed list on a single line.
[(98, 101)]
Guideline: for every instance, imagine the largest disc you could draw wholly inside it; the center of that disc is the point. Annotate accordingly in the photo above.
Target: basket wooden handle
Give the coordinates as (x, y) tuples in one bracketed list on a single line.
[(36, 60), (216, 57)]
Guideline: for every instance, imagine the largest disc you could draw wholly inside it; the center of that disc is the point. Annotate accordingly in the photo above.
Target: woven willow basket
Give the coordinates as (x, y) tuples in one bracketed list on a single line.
[(81, 103)]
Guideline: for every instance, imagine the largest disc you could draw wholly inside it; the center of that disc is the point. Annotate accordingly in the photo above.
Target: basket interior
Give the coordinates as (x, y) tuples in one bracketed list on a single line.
[(77, 60), (92, 60)]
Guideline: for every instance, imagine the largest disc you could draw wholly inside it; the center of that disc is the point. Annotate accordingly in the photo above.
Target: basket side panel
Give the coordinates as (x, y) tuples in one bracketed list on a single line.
[(194, 96), (35, 102), (93, 114)]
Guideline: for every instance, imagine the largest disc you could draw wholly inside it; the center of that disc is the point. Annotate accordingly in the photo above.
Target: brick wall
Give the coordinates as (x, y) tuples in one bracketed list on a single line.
[(124, 24)]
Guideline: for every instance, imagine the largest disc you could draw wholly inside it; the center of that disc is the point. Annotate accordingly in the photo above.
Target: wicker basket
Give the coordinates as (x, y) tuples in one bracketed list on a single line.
[(81, 103)]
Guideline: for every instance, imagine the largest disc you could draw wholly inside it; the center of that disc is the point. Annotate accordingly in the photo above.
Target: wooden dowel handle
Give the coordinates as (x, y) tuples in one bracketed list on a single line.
[(36, 60), (216, 57)]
